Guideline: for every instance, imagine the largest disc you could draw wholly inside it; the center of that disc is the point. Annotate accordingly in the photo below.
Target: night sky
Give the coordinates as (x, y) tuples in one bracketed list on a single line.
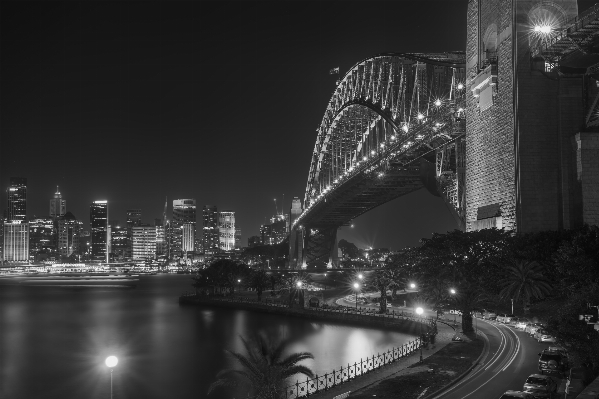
[(133, 102)]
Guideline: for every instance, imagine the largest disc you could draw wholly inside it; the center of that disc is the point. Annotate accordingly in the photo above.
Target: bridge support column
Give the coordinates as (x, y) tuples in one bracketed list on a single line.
[(318, 247), (296, 248)]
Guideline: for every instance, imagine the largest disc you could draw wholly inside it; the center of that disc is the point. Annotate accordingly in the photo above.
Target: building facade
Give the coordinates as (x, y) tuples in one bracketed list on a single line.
[(69, 233), (98, 220), (16, 241), (211, 242), (184, 212), (58, 206), (144, 242), (226, 230), (120, 243), (17, 199), (237, 238), (42, 236)]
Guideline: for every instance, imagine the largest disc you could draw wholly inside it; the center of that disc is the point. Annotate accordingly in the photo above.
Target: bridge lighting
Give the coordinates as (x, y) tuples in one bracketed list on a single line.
[(420, 116), (365, 158), (544, 29), (404, 128), (438, 102), (460, 86), (393, 137), (372, 152), (382, 145)]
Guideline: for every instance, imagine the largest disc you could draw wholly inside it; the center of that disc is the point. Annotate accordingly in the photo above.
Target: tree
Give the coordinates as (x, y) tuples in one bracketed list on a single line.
[(259, 280), (264, 369), (383, 281), (524, 280)]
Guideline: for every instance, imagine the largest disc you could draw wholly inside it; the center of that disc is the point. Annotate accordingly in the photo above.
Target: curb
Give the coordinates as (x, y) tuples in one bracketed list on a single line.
[(458, 378)]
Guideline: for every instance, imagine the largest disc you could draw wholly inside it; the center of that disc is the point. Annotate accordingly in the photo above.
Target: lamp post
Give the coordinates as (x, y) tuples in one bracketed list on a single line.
[(512, 305), (356, 287), (419, 311), (452, 291), (111, 362)]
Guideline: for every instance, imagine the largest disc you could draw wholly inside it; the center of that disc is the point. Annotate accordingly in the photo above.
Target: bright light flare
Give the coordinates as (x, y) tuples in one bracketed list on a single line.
[(452, 291), (419, 310), (460, 86), (356, 285), (420, 116), (299, 284), (111, 361), (438, 102), (544, 29), (412, 286)]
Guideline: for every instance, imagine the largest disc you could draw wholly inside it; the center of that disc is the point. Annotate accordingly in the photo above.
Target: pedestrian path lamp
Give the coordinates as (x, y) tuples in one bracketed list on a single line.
[(453, 291), (111, 362), (419, 311), (356, 287)]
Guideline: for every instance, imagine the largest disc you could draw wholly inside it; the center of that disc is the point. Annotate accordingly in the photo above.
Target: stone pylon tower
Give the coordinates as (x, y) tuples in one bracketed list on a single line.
[(523, 119)]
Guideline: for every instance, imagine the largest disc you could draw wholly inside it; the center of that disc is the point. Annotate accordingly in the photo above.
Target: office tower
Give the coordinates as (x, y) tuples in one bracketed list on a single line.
[(120, 244), (69, 233), (237, 238), (58, 206), (42, 236), (226, 230), (144, 242), (17, 199), (184, 212), (16, 241), (98, 219), (210, 228), (188, 239), (133, 218), (160, 241)]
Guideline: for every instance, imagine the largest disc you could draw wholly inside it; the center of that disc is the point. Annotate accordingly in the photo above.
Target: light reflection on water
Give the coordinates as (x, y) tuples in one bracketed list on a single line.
[(53, 341)]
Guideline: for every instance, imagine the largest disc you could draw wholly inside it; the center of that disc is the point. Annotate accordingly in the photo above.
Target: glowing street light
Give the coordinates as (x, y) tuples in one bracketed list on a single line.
[(360, 276), (356, 287), (438, 102), (460, 86), (420, 116), (111, 362), (542, 29), (412, 285), (299, 284), (419, 311), (453, 291)]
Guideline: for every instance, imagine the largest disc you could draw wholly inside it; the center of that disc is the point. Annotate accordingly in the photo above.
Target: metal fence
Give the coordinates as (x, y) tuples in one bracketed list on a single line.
[(345, 374)]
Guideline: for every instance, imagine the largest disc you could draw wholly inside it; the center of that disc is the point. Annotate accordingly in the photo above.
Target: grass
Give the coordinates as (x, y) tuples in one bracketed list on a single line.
[(441, 368)]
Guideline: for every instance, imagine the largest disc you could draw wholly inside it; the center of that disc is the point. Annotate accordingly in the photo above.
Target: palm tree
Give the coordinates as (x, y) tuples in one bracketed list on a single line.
[(382, 281), (264, 370), (524, 281)]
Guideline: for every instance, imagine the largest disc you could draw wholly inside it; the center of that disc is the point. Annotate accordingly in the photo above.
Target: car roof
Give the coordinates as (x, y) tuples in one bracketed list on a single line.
[(545, 377)]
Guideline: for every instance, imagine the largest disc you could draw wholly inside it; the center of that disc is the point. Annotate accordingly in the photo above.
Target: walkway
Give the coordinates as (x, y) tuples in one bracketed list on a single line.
[(444, 336)]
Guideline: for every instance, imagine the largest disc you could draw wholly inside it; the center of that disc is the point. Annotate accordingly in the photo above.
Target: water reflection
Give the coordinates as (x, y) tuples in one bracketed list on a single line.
[(54, 341)]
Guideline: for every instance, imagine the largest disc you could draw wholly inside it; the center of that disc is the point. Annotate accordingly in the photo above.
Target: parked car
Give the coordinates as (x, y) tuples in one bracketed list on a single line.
[(552, 362), (522, 323), (516, 394), (540, 393), (540, 380), (504, 318), (543, 336), (489, 314), (533, 328)]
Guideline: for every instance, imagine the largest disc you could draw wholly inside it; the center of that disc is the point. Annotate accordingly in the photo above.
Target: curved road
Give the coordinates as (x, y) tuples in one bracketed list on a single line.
[(512, 357)]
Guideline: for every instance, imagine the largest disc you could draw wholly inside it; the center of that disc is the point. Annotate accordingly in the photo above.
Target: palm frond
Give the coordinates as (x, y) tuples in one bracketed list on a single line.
[(298, 369)]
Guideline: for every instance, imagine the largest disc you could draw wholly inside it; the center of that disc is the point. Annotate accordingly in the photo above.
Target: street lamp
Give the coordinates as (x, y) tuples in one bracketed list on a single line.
[(111, 362), (412, 285), (452, 291), (360, 276), (356, 287), (419, 311)]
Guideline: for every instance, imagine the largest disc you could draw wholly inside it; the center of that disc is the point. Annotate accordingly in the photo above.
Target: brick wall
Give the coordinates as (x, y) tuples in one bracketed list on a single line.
[(521, 168)]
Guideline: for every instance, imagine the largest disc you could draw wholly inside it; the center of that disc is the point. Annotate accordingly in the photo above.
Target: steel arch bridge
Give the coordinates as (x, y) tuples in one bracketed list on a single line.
[(394, 124)]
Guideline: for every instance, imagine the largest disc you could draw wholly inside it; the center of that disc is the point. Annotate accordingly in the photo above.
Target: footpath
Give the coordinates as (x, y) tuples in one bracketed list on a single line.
[(404, 366)]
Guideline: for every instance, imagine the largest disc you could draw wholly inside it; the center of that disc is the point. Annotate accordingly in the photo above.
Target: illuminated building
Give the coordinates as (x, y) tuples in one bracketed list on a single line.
[(58, 206), (160, 240), (184, 212), (210, 228), (16, 241), (144, 242), (276, 231), (17, 199), (98, 220), (120, 243), (226, 230), (188, 238), (133, 218), (237, 238), (42, 236), (69, 232)]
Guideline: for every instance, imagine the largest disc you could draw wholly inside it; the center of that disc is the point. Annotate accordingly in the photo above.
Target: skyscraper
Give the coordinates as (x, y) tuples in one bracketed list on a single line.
[(226, 230), (133, 218), (237, 238), (144, 242), (184, 212), (98, 220), (69, 232), (17, 199), (210, 228), (58, 206), (16, 241), (42, 235)]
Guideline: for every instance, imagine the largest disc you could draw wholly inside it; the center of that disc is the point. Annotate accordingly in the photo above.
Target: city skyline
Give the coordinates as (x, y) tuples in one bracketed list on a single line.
[(194, 106)]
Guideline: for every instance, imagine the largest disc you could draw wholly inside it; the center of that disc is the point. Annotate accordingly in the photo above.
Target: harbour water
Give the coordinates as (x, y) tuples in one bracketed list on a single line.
[(54, 339)]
